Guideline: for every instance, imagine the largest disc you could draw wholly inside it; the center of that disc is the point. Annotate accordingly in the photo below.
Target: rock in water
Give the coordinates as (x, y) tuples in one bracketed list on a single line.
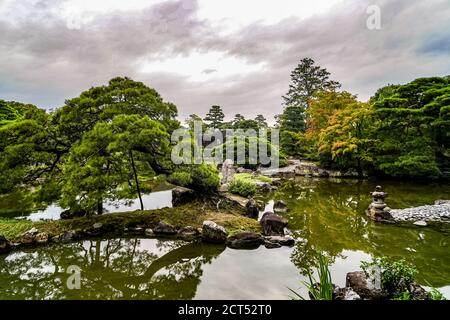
[(165, 229), (273, 225), (5, 247), (281, 241), (252, 208), (182, 196), (421, 223), (280, 207), (188, 233), (213, 233), (245, 240), (365, 288)]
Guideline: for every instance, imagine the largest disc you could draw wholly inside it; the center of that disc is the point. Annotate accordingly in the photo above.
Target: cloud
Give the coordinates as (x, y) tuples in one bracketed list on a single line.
[(189, 53)]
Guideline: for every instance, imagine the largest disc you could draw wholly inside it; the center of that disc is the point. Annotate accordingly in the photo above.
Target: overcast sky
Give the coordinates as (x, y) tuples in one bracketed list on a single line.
[(197, 53)]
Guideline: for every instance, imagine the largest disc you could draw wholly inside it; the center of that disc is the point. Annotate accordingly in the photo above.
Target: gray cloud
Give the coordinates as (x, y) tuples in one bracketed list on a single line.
[(44, 62)]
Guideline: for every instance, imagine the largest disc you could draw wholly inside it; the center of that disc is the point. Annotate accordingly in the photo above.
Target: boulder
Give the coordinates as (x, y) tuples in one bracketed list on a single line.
[(364, 287), (420, 223), (272, 245), (41, 238), (5, 247), (149, 233), (345, 294), (417, 292), (165, 229), (65, 237), (441, 202), (182, 196), (272, 224), (188, 233), (29, 237), (213, 233), (245, 240), (72, 214), (280, 207), (279, 240), (252, 208)]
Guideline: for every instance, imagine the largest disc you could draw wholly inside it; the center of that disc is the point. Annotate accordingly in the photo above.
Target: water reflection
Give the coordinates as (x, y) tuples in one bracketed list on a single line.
[(325, 215), (152, 201), (111, 269)]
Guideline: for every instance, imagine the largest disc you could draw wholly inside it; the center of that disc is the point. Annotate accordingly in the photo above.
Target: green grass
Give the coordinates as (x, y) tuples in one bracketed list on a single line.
[(252, 178), (192, 214)]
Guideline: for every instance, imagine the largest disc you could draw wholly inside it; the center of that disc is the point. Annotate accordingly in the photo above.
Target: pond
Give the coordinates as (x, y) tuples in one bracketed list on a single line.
[(151, 201), (325, 215)]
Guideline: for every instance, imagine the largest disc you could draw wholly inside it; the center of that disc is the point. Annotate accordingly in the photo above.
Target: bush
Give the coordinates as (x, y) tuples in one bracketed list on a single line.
[(435, 294), (205, 178), (180, 178), (243, 188), (395, 276)]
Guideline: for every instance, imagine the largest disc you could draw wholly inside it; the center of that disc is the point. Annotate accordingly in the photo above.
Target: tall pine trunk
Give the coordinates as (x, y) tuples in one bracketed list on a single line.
[(138, 188)]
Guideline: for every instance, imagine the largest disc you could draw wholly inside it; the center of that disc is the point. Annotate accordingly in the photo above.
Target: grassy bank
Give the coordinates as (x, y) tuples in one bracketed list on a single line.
[(192, 214)]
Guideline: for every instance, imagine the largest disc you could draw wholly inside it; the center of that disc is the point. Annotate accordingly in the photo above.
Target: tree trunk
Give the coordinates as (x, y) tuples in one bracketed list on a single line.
[(138, 189), (100, 207)]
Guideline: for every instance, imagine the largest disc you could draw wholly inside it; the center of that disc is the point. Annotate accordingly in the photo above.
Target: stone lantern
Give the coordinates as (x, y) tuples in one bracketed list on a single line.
[(378, 209)]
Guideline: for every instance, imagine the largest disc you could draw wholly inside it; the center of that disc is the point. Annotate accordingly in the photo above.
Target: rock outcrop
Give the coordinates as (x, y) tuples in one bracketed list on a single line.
[(213, 233), (280, 207), (365, 287), (245, 240), (273, 225), (165, 229), (182, 196), (252, 208)]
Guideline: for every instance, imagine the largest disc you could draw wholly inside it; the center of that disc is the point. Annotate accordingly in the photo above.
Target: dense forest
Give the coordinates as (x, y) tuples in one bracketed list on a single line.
[(101, 145)]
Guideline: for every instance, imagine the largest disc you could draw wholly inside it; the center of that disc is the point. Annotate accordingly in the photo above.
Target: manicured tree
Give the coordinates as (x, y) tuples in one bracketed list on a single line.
[(214, 118), (412, 128), (102, 166)]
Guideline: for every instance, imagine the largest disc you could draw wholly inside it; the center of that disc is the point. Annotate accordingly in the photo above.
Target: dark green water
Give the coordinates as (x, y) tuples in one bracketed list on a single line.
[(325, 215)]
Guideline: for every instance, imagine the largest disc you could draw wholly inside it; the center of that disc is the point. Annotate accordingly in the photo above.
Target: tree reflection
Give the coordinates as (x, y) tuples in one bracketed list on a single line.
[(111, 269), (329, 216)]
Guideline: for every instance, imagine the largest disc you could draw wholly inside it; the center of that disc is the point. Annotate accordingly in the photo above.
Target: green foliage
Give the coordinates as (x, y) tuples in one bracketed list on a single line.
[(435, 294), (180, 178), (306, 80), (321, 289), (214, 118), (396, 276), (411, 125), (243, 187), (203, 177), (402, 296)]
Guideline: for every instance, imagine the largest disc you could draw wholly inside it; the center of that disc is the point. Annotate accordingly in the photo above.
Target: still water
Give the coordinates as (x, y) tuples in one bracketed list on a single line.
[(326, 216)]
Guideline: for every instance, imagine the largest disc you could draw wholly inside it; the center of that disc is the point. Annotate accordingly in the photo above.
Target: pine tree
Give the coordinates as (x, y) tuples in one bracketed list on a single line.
[(215, 117)]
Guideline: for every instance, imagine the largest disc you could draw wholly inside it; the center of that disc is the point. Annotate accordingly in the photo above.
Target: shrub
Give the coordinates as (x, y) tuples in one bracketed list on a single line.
[(180, 178), (395, 276), (435, 294), (243, 188), (205, 178)]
